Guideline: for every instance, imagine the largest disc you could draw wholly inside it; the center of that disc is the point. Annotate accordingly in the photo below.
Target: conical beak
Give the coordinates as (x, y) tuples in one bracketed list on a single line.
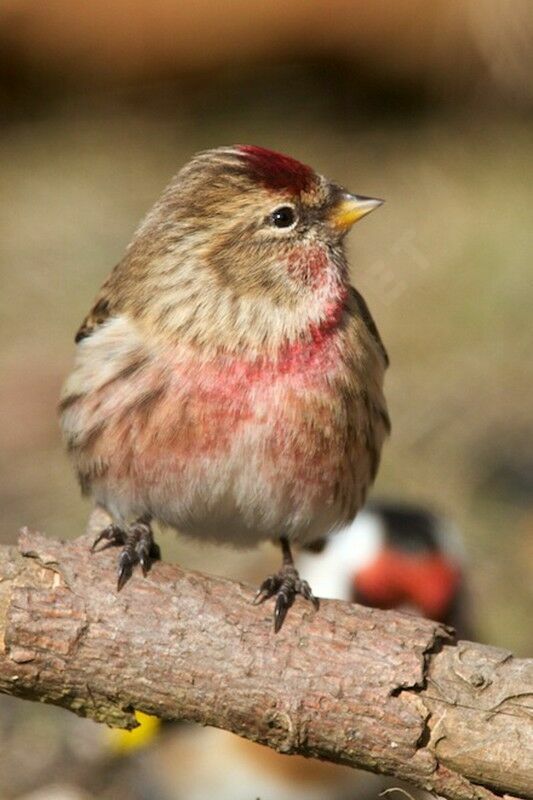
[(350, 208)]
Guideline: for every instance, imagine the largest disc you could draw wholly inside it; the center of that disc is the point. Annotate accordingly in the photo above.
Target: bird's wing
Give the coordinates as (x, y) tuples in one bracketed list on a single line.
[(367, 318), (103, 308)]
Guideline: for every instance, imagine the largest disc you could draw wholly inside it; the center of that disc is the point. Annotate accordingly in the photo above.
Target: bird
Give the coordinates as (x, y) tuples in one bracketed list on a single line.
[(228, 379)]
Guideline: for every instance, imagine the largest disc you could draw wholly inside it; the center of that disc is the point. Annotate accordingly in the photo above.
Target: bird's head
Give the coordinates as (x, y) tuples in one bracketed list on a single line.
[(258, 228)]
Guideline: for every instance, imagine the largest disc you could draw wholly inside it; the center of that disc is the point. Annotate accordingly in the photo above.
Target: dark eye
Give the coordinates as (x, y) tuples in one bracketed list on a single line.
[(283, 217)]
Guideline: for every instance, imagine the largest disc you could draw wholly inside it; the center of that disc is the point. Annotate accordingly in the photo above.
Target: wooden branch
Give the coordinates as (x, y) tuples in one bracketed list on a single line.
[(383, 691)]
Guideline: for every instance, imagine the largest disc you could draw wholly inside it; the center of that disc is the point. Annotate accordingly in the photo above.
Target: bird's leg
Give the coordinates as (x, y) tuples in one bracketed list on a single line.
[(285, 584), (138, 547)]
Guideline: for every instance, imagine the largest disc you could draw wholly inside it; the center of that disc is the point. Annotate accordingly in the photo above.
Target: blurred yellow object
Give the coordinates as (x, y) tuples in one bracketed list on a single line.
[(122, 742)]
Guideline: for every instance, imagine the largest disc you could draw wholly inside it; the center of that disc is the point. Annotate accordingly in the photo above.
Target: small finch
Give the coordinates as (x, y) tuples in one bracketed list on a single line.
[(228, 380)]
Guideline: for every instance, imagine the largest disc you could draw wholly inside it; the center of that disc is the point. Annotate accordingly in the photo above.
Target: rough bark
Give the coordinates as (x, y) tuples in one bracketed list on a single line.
[(383, 691)]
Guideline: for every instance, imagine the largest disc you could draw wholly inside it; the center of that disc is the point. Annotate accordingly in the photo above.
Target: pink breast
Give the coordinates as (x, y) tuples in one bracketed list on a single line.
[(203, 408)]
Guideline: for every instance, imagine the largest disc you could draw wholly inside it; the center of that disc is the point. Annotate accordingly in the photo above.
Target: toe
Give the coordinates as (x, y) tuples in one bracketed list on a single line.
[(305, 590), (142, 551), (145, 562), (125, 567), (268, 588), (112, 535), (144, 546), (284, 601)]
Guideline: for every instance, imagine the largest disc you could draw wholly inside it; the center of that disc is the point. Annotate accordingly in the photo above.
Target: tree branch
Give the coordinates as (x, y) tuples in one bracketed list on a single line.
[(382, 691)]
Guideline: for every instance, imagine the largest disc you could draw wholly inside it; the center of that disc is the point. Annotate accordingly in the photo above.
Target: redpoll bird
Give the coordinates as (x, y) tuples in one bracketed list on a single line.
[(228, 379)]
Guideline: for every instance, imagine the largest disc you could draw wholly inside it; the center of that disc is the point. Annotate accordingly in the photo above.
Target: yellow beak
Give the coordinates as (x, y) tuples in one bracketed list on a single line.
[(350, 208)]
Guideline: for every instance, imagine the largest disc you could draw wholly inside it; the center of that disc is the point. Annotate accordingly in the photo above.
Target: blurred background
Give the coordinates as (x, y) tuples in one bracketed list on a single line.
[(429, 105)]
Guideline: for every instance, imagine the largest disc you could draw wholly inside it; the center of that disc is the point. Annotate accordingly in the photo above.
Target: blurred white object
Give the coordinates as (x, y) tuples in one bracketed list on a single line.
[(331, 572), (393, 556)]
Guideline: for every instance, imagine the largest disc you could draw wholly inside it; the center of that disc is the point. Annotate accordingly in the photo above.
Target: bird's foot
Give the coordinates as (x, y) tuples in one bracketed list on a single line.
[(138, 547), (285, 584)]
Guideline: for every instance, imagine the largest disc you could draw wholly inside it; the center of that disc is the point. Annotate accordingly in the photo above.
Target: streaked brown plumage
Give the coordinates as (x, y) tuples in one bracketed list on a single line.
[(228, 380)]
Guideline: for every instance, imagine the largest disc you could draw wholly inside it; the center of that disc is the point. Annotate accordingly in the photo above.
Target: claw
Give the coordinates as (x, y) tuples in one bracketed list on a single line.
[(97, 541), (144, 561), (305, 591), (260, 597), (283, 603), (113, 534), (124, 569), (144, 548), (268, 588)]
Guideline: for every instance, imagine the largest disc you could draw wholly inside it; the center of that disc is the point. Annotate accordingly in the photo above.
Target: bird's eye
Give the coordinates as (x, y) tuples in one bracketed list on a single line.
[(283, 217)]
